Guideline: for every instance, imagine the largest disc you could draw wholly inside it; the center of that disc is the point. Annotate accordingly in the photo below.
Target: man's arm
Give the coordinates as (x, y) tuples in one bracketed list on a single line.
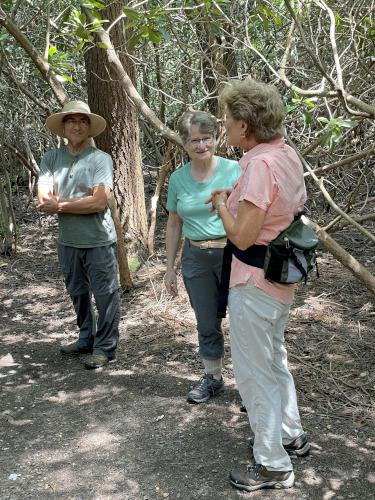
[(92, 204)]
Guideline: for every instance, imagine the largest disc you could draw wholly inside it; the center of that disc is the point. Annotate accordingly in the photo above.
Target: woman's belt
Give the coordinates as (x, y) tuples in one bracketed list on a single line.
[(203, 244)]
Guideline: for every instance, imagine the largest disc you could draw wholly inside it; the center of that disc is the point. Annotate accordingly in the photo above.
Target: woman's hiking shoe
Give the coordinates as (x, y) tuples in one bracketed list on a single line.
[(258, 477), (72, 349), (298, 448), (206, 388)]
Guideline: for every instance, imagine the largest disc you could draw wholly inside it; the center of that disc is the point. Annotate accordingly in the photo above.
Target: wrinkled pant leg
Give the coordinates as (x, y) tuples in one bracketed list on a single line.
[(107, 332), (291, 421), (77, 283), (253, 315), (202, 292), (201, 270), (86, 320), (101, 267)]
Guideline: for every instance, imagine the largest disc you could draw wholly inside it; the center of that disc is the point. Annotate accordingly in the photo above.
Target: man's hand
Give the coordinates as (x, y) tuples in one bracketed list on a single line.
[(49, 204), (170, 280)]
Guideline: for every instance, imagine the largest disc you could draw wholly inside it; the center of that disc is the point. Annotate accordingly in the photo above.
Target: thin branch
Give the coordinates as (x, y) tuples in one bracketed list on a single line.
[(350, 159), (42, 65), (320, 184)]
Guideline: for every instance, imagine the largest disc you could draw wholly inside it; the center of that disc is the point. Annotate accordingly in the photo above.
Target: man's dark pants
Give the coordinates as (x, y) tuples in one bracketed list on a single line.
[(93, 271)]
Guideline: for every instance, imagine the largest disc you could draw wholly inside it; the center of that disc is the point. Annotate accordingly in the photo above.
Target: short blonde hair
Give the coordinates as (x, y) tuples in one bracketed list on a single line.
[(258, 105)]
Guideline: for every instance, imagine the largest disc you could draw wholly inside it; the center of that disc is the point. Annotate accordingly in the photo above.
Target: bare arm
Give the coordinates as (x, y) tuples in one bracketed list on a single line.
[(172, 243), (86, 205), (44, 193), (243, 230)]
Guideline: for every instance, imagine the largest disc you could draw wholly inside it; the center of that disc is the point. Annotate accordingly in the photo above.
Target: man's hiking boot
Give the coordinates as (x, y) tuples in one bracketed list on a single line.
[(298, 448), (258, 477), (73, 349), (206, 388), (97, 361)]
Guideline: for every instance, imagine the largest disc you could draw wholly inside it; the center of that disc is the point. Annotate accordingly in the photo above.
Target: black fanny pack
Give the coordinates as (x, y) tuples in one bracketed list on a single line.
[(287, 259)]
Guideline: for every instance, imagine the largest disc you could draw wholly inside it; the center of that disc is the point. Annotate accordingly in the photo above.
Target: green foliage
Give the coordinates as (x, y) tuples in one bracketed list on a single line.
[(303, 105), (59, 63), (134, 264), (333, 131)]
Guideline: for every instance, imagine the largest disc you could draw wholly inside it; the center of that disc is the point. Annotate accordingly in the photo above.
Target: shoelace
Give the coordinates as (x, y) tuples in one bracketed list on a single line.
[(254, 468), (205, 383)]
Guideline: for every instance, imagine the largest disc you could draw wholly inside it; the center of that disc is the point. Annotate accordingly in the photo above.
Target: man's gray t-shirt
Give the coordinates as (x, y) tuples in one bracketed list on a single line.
[(71, 176)]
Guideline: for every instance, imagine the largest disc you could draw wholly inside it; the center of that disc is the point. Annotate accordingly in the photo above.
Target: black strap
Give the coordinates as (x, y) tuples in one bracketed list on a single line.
[(253, 256)]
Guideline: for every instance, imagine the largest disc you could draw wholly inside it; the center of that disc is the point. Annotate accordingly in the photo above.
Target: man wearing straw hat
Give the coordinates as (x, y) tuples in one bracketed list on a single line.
[(75, 183)]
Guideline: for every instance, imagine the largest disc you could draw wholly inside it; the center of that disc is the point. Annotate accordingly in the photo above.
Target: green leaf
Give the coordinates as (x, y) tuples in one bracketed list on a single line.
[(52, 50), (154, 35), (82, 33), (307, 116), (96, 4), (371, 33), (289, 108), (347, 123), (131, 14), (133, 42), (322, 119), (64, 78), (308, 103), (102, 45)]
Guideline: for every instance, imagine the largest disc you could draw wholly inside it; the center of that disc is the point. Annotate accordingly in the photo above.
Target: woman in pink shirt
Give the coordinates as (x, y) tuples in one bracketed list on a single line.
[(264, 201)]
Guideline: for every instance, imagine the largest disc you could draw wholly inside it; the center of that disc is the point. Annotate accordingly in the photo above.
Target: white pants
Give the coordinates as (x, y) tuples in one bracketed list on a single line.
[(257, 324)]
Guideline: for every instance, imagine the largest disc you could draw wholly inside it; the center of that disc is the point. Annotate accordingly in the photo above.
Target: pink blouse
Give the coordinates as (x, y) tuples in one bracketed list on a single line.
[(272, 179)]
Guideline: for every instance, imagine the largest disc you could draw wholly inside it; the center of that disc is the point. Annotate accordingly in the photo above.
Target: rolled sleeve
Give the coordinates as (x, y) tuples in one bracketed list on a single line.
[(259, 185)]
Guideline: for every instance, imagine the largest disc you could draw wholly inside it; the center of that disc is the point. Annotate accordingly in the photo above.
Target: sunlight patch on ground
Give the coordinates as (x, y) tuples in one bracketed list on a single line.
[(320, 309), (85, 396), (120, 373), (311, 478), (99, 439)]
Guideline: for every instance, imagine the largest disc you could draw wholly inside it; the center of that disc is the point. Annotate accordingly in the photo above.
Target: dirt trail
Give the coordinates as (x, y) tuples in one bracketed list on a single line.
[(126, 432)]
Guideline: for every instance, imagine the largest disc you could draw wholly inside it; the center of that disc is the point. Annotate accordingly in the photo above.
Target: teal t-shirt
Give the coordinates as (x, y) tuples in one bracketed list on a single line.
[(186, 197), (72, 176)]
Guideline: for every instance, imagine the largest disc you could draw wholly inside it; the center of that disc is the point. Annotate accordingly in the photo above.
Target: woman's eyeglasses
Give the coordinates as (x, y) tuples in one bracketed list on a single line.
[(195, 143)]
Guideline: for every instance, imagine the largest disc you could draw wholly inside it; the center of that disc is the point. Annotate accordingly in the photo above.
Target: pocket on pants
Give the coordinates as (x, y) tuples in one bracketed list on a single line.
[(101, 264)]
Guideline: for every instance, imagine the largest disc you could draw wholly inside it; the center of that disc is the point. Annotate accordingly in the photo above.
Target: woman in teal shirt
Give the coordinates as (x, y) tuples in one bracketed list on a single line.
[(205, 238)]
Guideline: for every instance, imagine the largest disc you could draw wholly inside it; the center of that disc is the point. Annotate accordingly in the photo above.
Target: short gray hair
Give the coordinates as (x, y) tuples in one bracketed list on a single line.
[(259, 105), (206, 123)]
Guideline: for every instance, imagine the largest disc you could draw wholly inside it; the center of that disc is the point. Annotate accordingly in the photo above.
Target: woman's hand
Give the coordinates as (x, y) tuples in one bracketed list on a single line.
[(170, 280), (219, 200), (218, 196)]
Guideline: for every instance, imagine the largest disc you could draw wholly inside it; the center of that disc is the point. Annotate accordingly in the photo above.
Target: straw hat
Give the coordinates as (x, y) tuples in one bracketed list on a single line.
[(54, 123)]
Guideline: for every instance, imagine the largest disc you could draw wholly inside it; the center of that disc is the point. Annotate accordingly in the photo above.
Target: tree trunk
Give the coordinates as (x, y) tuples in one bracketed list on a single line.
[(121, 137), (8, 233)]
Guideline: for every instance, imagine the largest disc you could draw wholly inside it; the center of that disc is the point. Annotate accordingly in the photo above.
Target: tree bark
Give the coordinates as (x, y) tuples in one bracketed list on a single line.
[(121, 137), (347, 260)]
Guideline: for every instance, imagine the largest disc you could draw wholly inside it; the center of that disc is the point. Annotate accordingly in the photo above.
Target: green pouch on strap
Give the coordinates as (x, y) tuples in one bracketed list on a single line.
[(292, 255)]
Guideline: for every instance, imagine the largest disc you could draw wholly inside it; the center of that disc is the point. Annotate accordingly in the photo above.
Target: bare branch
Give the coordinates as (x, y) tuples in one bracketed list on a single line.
[(42, 65)]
